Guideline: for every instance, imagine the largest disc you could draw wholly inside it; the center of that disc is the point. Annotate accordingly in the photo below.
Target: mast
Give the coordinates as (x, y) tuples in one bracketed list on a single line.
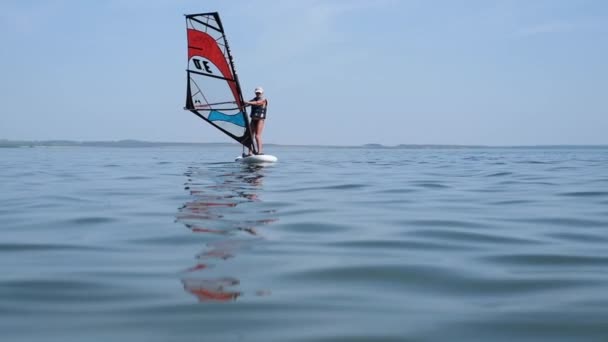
[(236, 79)]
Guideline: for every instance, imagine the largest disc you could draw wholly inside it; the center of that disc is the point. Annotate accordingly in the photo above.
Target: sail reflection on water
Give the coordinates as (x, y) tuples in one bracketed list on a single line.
[(223, 209)]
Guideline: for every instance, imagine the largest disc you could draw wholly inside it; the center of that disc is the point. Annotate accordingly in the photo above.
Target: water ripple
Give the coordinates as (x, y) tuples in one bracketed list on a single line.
[(560, 221), (433, 279), (442, 223), (585, 194), (32, 247), (91, 220), (548, 261), (470, 237)]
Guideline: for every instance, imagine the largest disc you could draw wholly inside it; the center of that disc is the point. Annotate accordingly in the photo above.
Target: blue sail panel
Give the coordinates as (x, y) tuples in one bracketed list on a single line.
[(237, 119)]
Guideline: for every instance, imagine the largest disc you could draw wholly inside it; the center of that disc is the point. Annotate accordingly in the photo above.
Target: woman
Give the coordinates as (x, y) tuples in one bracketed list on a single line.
[(259, 104)]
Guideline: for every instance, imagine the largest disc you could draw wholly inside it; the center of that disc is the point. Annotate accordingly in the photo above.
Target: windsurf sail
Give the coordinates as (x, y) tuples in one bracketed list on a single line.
[(213, 90)]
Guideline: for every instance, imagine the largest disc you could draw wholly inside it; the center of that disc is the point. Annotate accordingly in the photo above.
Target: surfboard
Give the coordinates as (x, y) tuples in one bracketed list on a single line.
[(257, 159), (213, 91)]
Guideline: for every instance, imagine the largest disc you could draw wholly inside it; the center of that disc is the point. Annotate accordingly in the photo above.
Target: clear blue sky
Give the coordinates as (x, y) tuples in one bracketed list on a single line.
[(336, 72)]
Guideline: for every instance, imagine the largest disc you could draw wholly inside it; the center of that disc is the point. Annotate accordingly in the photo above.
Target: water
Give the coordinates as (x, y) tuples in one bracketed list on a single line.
[(177, 244)]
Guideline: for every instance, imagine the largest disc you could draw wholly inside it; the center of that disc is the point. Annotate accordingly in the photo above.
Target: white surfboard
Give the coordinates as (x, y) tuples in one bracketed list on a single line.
[(257, 159)]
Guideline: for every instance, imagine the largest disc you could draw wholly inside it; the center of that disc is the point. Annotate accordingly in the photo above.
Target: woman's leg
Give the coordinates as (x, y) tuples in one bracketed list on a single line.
[(258, 133), (254, 127)]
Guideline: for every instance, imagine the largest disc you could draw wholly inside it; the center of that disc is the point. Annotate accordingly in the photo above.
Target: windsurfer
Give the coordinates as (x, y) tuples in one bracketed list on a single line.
[(259, 105)]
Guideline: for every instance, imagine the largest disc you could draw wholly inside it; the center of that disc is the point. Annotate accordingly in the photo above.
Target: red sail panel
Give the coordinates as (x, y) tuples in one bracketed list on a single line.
[(203, 45)]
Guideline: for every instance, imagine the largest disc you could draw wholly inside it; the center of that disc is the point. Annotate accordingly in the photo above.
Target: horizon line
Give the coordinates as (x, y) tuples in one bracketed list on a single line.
[(58, 142)]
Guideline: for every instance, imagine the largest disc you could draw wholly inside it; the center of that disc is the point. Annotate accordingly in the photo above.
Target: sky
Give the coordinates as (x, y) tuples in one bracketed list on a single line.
[(336, 72)]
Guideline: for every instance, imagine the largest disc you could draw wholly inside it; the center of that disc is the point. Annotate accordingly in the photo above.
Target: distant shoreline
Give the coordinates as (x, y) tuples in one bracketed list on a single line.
[(138, 143)]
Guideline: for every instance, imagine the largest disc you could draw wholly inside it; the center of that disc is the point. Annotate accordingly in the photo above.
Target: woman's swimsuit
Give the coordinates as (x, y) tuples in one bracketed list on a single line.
[(259, 112)]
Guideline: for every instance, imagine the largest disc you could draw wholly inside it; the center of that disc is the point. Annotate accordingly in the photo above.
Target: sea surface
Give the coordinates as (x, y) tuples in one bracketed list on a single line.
[(329, 244)]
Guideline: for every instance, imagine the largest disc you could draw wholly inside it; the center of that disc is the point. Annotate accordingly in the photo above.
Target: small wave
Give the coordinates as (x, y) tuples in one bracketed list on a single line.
[(30, 247), (397, 245), (181, 240), (352, 186), (433, 279), (303, 212), (578, 237), (525, 183), (561, 168), (92, 220), (313, 227), (431, 185), (585, 194), (442, 223), (397, 191), (512, 202), (500, 174), (134, 178), (66, 291), (560, 221), (472, 238), (548, 260), (534, 162)]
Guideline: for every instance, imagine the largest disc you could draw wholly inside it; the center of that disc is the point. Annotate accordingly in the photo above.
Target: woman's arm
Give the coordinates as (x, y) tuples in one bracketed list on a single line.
[(256, 103)]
